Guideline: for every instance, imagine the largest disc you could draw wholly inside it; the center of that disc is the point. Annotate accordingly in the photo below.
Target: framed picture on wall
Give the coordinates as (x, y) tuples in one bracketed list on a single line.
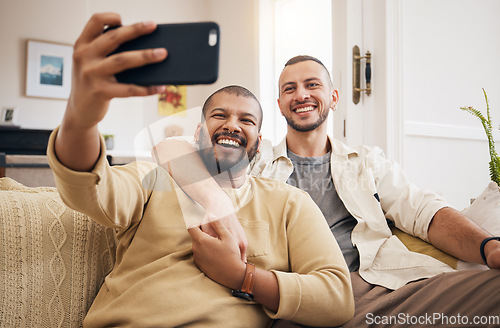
[(9, 116), (48, 69)]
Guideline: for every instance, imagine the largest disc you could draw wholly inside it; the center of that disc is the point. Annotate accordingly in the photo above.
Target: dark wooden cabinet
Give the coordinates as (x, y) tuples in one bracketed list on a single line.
[(20, 149), (15, 141), (23, 141)]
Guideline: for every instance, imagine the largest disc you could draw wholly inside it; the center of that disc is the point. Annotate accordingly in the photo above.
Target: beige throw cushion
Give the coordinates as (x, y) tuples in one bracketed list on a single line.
[(53, 260), (485, 211)]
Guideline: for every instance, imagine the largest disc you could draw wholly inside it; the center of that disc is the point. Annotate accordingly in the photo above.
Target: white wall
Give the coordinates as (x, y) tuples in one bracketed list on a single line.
[(52, 20), (62, 21), (450, 51)]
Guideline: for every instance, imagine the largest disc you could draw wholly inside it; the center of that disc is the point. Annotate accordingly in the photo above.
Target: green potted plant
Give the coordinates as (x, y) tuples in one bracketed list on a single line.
[(109, 139), (486, 122)]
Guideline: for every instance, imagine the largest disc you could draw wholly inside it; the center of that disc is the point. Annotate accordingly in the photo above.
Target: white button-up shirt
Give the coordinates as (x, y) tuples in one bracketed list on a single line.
[(372, 189)]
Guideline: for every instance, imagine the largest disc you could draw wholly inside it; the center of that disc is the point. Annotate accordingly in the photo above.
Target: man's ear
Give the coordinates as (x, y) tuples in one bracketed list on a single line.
[(259, 140), (335, 98), (197, 132)]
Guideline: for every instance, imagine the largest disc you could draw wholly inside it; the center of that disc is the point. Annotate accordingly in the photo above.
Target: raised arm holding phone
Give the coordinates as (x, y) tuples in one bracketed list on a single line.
[(93, 85)]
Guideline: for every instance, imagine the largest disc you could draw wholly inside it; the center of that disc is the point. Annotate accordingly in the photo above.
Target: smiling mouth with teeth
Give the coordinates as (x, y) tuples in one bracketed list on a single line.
[(304, 109), (228, 142)]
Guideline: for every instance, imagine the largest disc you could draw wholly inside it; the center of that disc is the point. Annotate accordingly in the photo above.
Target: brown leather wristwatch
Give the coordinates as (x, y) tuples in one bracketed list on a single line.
[(246, 291)]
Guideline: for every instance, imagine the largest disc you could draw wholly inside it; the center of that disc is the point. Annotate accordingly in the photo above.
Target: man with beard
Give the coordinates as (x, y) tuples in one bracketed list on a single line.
[(362, 196), (168, 274)]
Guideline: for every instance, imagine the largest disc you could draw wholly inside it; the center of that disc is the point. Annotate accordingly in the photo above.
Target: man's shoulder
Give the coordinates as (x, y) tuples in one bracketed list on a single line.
[(360, 151), (269, 151)]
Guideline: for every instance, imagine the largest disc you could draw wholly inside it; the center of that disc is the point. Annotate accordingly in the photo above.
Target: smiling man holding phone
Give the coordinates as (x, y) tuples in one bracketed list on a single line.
[(168, 274)]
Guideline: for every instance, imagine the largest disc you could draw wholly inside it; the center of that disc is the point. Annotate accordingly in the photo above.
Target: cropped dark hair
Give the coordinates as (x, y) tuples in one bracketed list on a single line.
[(233, 90), (301, 58)]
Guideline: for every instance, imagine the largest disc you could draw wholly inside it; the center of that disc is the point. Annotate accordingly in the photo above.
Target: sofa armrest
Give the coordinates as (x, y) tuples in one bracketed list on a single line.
[(53, 260)]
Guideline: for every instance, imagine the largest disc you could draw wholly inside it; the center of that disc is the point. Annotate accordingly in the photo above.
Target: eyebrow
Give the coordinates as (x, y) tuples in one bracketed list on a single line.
[(217, 108), (312, 79), (287, 83), (225, 111), (305, 81)]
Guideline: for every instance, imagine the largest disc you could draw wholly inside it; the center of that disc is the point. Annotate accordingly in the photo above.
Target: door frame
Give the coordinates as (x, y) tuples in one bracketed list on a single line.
[(377, 119)]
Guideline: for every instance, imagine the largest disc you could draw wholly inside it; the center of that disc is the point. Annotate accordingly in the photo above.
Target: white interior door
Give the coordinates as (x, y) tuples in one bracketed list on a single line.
[(429, 58), (360, 23)]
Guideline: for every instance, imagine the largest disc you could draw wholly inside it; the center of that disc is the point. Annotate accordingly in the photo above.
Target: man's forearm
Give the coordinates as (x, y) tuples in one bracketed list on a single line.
[(186, 167), (266, 290), (455, 234), (78, 148), (184, 164)]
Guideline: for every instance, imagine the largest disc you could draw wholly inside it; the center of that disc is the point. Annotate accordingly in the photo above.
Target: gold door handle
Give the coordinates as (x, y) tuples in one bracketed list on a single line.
[(356, 74)]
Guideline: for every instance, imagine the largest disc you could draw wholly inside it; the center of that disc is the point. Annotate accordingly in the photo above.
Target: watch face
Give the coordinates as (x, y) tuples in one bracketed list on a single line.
[(240, 294)]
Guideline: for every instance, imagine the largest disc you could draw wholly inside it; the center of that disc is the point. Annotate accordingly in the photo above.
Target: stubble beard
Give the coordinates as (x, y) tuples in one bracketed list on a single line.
[(309, 127)]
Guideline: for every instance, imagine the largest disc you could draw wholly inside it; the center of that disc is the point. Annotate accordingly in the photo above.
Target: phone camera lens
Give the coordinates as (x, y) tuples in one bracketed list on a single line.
[(212, 37)]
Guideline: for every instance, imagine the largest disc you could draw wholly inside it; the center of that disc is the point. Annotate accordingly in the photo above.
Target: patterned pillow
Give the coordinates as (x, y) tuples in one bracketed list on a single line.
[(53, 260)]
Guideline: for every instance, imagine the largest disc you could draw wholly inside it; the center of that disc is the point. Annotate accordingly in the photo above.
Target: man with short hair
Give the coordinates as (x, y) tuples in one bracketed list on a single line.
[(362, 195), (168, 272)]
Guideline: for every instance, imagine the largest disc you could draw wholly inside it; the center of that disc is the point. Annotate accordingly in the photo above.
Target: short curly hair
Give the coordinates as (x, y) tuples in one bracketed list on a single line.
[(301, 58)]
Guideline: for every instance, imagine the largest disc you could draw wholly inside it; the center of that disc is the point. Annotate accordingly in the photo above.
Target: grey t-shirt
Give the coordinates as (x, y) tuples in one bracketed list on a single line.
[(313, 175)]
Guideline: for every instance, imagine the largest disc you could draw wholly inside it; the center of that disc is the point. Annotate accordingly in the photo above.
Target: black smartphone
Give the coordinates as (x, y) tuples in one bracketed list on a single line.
[(193, 55)]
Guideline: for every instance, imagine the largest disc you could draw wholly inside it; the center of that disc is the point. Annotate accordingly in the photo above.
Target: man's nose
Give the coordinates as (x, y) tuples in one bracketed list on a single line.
[(302, 94), (232, 125)]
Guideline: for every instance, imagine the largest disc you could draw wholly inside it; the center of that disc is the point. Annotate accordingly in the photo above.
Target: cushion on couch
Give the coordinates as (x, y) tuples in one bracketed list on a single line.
[(485, 211), (53, 260)]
